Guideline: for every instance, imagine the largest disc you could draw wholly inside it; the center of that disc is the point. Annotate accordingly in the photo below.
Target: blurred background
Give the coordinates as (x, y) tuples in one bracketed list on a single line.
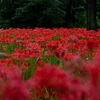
[(46, 13)]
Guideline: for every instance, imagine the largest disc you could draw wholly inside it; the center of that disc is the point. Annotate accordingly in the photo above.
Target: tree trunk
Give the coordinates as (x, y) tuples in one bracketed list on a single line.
[(91, 15), (68, 14)]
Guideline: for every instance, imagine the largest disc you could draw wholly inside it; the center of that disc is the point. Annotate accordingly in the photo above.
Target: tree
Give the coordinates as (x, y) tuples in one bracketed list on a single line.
[(49, 13), (75, 13), (68, 16), (39, 13), (6, 12), (91, 15)]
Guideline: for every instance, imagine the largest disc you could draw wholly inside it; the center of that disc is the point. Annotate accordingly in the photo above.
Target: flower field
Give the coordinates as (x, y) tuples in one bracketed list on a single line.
[(45, 64)]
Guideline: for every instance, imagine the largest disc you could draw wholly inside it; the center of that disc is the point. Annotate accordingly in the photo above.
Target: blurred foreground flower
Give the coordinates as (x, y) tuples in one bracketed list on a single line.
[(11, 85)]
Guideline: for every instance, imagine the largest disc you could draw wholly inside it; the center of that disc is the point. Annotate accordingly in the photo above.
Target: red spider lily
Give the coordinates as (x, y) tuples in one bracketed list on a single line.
[(94, 70), (23, 56), (53, 45), (11, 85), (43, 77), (41, 64), (7, 40), (79, 81), (41, 39), (91, 44), (60, 52), (68, 56), (32, 54), (4, 48), (54, 78), (33, 47), (73, 38)]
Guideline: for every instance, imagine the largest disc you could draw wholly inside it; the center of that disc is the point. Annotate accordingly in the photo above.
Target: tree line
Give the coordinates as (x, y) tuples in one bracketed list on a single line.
[(50, 13)]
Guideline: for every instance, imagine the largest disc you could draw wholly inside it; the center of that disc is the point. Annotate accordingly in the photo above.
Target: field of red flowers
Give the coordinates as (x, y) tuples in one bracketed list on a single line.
[(45, 64)]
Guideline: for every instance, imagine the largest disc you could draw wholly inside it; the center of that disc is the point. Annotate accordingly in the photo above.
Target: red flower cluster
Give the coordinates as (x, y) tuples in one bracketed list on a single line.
[(11, 85), (45, 64)]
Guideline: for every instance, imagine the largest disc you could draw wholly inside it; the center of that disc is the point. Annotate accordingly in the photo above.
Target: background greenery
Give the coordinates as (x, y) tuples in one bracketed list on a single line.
[(44, 13)]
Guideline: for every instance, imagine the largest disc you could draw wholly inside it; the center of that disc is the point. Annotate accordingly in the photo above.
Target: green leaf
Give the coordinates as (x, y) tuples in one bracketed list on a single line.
[(54, 60), (56, 37), (9, 48)]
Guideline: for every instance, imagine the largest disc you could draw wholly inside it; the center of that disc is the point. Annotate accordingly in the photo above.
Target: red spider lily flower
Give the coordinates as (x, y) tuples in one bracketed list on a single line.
[(73, 38), (32, 54), (33, 47), (60, 52), (94, 70), (7, 40), (91, 44), (43, 77), (18, 56), (4, 48), (7, 62), (25, 65), (52, 45), (56, 79), (21, 55), (80, 80), (68, 56), (41, 64), (41, 39), (11, 85)]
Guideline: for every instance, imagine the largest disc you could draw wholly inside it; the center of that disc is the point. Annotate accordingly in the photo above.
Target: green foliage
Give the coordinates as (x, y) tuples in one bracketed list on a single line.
[(28, 71), (9, 48), (80, 18), (39, 13), (43, 13), (54, 60), (4, 23)]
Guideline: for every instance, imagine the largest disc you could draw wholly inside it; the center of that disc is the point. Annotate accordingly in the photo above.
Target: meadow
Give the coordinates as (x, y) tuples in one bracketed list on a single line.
[(49, 64)]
